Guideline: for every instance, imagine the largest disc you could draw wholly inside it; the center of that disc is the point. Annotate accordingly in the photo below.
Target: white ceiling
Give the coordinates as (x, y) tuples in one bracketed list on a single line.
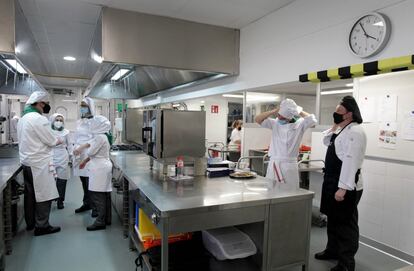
[(66, 27)]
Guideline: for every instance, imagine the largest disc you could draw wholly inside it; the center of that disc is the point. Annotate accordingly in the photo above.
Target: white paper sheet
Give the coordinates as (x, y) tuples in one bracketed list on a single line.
[(387, 137), (408, 126), (387, 108), (367, 105)]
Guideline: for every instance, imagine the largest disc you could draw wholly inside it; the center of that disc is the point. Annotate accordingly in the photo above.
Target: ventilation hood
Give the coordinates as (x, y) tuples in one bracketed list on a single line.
[(141, 54), (19, 53)]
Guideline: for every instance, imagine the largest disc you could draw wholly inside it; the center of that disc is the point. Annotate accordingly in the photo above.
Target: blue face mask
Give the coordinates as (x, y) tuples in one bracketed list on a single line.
[(84, 111), (282, 122)]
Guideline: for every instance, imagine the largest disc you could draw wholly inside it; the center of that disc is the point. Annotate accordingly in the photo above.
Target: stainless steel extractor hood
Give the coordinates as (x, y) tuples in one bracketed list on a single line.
[(143, 54), (19, 53)]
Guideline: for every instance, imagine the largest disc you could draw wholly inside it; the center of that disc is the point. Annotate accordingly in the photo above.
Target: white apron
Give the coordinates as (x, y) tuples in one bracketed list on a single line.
[(100, 175), (283, 170), (44, 182)]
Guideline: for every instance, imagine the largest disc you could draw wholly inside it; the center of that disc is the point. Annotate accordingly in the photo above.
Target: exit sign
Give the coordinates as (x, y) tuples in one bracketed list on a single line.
[(214, 109)]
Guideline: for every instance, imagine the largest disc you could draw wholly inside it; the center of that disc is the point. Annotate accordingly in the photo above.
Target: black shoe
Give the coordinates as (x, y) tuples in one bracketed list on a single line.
[(83, 208), (325, 256), (94, 214), (44, 231), (340, 267), (60, 205), (95, 227), (30, 228)]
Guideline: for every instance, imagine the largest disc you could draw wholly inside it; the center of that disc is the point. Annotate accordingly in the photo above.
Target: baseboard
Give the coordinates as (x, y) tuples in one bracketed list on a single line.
[(390, 250)]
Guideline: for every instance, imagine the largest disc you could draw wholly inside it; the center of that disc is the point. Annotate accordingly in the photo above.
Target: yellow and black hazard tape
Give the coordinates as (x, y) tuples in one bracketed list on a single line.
[(370, 68)]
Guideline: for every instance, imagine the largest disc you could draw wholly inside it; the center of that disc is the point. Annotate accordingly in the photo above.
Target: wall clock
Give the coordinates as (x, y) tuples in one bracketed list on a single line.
[(369, 35)]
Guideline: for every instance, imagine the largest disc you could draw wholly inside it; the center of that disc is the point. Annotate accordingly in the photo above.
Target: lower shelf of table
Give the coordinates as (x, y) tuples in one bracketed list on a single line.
[(246, 264)]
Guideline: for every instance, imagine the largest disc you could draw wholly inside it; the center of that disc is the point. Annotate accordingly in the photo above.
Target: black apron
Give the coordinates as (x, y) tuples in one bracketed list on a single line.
[(329, 206)]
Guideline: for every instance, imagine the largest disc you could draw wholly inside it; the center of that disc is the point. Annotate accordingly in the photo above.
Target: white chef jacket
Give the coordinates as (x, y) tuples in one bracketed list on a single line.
[(82, 136), (350, 147), (235, 136), (61, 154), (36, 139), (286, 138), (100, 166)]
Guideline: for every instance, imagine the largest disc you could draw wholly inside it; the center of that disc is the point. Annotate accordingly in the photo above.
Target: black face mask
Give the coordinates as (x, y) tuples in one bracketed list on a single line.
[(239, 128), (46, 109), (338, 118)]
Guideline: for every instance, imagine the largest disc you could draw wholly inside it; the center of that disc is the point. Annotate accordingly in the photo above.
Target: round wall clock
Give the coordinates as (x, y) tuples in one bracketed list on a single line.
[(369, 35)]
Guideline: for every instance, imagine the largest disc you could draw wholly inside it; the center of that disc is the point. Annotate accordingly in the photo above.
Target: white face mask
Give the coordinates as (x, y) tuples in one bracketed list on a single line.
[(58, 124)]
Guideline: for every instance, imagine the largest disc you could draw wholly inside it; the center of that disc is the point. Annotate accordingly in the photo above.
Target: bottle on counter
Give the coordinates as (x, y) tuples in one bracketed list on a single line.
[(180, 166)]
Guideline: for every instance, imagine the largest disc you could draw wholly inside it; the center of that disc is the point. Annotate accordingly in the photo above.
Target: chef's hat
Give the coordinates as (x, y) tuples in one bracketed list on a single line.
[(91, 104), (38, 96), (99, 125), (288, 109)]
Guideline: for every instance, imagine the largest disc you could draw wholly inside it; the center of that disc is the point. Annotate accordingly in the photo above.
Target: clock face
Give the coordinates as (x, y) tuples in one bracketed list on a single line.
[(369, 35)]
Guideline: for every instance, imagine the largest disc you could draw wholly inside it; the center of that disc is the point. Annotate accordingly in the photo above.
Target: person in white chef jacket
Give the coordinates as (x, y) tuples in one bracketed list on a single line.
[(83, 135), (35, 150), (60, 156), (13, 126), (287, 133), (342, 185), (99, 167)]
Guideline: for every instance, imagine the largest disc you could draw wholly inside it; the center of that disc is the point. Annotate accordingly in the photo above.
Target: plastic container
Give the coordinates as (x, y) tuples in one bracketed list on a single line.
[(228, 243), (150, 236), (180, 166)]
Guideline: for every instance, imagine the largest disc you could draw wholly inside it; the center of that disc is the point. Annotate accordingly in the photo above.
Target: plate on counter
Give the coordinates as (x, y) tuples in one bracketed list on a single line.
[(243, 175)]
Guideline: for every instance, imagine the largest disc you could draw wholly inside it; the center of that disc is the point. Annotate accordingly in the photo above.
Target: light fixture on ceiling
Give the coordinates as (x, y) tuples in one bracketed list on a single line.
[(340, 91), (97, 58), (238, 96), (119, 74), (69, 58), (202, 102), (16, 65)]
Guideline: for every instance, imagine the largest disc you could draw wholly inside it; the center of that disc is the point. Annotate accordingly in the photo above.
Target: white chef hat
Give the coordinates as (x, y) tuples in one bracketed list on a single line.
[(91, 104), (52, 118), (38, 96), (289, 109), (99, 125)]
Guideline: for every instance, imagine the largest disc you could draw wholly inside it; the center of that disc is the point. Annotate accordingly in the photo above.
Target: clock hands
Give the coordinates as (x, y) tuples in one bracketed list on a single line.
[(365, 33)]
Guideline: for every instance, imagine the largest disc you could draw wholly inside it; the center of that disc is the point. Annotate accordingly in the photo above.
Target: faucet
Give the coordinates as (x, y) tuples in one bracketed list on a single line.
[(249, 157)]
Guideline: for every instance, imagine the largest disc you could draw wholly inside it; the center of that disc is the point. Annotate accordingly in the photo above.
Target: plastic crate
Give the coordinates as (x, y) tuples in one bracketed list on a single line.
[(150, 236), (228, 243)]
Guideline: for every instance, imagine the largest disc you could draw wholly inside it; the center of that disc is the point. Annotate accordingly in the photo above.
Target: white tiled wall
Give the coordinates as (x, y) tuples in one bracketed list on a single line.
[(386, 210)]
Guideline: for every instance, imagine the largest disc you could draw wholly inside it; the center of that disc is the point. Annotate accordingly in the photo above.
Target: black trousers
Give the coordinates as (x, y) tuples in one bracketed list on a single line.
[(102, 202), (343, 236), (36, 214), (86, 196), (61, 187)]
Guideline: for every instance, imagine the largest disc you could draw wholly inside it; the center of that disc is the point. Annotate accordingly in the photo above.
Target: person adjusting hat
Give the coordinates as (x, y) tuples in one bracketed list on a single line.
[(35, 151), (60, 155), (342, 184), (287, 132)]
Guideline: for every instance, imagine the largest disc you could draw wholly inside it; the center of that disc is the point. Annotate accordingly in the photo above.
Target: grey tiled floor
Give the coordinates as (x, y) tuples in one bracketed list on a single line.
[(75, 249)]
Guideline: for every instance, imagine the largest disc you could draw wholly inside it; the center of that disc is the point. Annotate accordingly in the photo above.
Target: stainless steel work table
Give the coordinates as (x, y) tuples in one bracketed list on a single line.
[(9, 168), (281, 215)]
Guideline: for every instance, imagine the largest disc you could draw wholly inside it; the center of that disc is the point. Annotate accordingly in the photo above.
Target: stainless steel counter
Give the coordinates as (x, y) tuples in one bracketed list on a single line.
[(276, 217), (202, 193), (8, 168)]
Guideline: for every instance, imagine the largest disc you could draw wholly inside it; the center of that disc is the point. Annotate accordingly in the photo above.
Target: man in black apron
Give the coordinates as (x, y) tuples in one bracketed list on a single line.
[(340, 190)]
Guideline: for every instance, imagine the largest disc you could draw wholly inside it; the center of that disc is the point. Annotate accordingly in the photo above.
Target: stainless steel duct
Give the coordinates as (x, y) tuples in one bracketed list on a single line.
[(156, 53)]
